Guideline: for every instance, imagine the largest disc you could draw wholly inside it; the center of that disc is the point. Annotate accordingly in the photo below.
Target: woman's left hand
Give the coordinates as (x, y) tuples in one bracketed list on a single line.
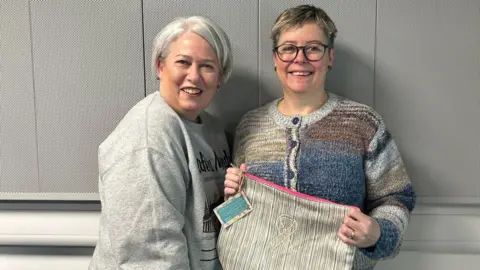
[(359, 230)]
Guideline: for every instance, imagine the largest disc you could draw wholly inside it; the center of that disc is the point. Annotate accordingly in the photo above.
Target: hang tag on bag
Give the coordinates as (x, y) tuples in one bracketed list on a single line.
[(234, 208)]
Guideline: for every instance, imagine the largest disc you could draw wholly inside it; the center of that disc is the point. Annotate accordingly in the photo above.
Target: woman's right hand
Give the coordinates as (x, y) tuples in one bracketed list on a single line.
[(233, 179)]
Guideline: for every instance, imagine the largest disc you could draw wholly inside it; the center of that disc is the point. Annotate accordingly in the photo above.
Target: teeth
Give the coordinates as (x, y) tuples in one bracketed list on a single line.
[(191, 91), (298, 73)]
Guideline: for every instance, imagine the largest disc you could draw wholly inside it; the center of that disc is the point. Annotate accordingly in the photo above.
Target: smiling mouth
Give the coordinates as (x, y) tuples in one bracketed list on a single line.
[(301, 73), (192, 91)]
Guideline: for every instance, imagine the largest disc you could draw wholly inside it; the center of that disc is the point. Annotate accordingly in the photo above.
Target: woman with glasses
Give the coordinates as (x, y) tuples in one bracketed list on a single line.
[(323, 145)]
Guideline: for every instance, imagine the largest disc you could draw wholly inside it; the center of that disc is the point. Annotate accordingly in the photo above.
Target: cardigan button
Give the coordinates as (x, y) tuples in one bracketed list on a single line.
[(293, 144)]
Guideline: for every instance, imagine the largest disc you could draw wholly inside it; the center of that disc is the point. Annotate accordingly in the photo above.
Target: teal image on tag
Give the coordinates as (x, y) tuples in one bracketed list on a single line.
[(233, 209)]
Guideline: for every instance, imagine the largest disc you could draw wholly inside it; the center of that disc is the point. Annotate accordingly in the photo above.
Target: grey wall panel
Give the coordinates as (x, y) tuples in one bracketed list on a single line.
[(240, 20), (18, 147), (427, 88), (88, 66), (353, 71)]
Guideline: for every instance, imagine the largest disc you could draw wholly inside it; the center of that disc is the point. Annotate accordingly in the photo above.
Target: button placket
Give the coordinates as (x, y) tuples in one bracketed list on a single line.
[(291, 172)]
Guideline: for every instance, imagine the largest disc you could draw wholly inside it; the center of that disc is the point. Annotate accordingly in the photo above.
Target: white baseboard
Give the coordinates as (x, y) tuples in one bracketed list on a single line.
[(437, 224), (49, 228), (442, 234)]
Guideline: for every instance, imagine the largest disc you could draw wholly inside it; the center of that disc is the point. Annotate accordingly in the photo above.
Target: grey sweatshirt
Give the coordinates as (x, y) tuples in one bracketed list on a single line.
[(160, 176)]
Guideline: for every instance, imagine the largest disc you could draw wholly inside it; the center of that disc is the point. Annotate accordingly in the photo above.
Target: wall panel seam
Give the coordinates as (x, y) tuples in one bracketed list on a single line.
[(142, 8), (375, 56), (39, 185), (258, 54)]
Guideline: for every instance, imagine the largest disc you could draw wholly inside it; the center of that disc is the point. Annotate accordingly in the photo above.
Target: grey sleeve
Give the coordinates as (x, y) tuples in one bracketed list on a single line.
[(144, 198)]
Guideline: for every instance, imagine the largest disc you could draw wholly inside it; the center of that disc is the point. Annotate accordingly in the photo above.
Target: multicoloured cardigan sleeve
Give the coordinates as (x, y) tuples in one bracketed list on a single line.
[(390, 195)]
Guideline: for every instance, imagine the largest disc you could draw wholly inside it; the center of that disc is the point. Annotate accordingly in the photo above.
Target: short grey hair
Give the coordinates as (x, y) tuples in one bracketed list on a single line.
[(299, 15), (202, 26)]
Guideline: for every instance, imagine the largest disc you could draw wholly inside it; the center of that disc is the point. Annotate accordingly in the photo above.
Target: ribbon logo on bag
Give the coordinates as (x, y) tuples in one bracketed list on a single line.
[(286, 226)]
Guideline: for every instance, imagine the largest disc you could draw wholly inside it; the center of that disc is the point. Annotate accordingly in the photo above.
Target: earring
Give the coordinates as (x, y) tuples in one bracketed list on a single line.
[(275, 68), (329, 67)]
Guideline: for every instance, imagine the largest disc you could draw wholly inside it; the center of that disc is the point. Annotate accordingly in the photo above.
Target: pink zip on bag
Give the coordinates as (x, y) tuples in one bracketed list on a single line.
[(293, 192)]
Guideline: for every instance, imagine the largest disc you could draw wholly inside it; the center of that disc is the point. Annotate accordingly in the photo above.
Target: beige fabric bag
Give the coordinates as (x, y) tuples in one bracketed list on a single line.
[(285, 230)]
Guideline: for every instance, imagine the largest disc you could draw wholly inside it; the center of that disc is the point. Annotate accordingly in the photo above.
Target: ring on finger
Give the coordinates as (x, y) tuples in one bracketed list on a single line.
[(352, 234)]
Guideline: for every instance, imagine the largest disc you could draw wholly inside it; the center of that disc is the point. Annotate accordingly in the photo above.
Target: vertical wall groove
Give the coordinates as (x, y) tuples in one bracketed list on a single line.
[(144, 50), (375, 57), (39, 184)]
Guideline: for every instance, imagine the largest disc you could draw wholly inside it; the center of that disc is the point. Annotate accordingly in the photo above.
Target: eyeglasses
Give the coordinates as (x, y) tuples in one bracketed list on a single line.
[(313, 52)]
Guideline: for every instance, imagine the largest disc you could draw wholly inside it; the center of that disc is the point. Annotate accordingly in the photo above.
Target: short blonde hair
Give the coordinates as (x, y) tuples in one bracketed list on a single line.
[(208, 30), (298, 16)]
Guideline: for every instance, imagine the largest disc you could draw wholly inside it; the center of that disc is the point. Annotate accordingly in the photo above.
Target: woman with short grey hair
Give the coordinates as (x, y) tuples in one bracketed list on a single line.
[(317, 145), (161, 170)]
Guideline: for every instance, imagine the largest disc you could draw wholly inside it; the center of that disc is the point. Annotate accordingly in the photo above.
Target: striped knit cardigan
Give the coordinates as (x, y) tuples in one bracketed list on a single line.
[(341, 152)]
